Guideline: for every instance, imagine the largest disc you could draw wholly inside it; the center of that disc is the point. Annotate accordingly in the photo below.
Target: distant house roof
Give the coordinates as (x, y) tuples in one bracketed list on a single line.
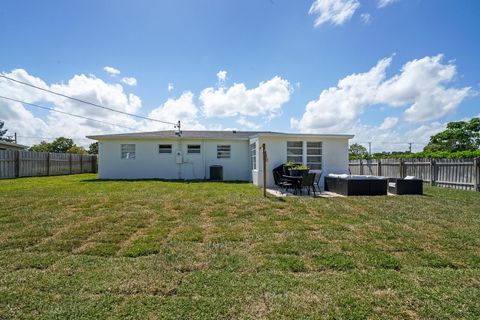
[(4, 145), (206, 134)]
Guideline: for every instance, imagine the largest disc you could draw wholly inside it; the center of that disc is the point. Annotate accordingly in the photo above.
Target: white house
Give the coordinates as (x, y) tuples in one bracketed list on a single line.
[(227, 155)]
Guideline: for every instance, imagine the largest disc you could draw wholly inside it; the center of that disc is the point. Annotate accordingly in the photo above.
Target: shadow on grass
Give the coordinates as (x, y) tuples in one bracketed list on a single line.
[(165, 180)]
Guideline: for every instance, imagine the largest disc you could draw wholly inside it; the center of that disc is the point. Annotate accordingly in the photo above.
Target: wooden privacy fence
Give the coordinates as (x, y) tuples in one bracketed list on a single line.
[(19, 163), (451, 173)]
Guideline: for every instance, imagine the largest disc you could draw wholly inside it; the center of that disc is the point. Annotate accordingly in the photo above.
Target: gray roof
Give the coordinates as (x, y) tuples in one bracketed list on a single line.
[(11, 145), (185, 134), (206, 134)]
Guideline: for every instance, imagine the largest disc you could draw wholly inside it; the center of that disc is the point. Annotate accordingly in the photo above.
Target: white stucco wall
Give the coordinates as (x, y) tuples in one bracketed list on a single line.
[(334, 156), (149, 163)]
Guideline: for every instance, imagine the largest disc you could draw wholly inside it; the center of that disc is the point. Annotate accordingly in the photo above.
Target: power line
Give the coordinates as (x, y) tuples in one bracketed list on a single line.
[(87, 102), (64, 112)]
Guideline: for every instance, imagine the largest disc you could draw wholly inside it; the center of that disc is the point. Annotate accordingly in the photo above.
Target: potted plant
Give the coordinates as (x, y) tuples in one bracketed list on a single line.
[(298, 170)]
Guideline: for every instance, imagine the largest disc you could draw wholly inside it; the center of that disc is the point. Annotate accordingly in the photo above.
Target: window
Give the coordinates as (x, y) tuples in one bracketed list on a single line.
[(128, 151), (295, 151), (193, 148), (164, 148), (314, 155), (253, 155), (223, 152)]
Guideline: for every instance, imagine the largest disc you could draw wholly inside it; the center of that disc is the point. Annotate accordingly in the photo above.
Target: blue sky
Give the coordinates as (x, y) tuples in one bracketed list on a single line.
[(279, 57)]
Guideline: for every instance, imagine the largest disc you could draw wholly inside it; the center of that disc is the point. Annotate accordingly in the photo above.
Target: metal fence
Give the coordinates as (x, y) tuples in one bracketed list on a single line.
[(20, 163), (451, 173)]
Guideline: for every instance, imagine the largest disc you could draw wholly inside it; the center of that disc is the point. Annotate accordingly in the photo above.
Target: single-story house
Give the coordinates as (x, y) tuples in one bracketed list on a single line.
[(216, 155), (4, 145)]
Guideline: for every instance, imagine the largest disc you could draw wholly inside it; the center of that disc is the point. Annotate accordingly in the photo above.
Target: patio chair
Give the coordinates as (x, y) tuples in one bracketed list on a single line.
[(307, 183), (279, 181), (316, 181)]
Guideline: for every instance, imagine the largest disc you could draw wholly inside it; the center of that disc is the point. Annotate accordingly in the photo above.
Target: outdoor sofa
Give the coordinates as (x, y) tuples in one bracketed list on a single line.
[(409, 185), (353, 185)]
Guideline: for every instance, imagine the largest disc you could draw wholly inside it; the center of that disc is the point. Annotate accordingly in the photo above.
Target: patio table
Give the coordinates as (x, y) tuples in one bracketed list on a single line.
[(295, 180)]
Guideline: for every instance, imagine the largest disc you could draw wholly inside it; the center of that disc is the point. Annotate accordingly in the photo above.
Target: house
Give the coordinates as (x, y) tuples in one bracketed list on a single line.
[(4, 145), (217, 155)]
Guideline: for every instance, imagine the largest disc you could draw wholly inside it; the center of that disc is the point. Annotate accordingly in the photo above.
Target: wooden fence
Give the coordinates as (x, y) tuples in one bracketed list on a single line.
[(451, 173), (19, 163)]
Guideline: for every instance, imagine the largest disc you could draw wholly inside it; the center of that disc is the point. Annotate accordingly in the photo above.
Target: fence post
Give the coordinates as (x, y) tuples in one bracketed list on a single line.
[(379, 167), (432, 172), (81, 163), (475, 175), (17, 163), (48, 163), (400, 168), (70, 162), (361, 167)]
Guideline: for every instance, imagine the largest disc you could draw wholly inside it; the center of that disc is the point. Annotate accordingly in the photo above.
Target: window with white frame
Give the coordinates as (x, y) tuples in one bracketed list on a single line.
[(193, 148), (253, 155), (128, 151), (164, 148), (314, 155), (295, 151), (223, 151)]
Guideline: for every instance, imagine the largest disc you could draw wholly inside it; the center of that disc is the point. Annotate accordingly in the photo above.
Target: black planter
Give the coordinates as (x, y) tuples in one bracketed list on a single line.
[(297, 172)]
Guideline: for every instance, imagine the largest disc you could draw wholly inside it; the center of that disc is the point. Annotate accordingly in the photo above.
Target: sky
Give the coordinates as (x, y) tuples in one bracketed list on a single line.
[(389, 71)]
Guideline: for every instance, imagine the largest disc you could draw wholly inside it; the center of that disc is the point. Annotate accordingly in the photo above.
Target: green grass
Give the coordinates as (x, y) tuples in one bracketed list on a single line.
[(75, 247)]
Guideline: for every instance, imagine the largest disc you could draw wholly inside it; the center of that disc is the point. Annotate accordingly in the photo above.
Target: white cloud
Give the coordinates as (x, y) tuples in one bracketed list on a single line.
[(388, 123), (131, 81), (420, 87), (266, 99), (336, 12), (170, 87), (183, 109), (31, 122), (222, 76), (248, 124), (366, 18), (384, 3), (111, 71)]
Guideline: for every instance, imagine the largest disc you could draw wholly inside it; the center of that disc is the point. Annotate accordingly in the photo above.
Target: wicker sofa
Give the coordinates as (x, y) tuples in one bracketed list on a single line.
[(349, 185)]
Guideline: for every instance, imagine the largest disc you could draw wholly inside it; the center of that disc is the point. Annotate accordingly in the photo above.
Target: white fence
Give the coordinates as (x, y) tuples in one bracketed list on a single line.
[(451, 173)]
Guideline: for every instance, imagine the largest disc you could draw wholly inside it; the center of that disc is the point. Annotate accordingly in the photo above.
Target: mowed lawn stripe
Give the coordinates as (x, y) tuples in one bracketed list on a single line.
[(77, 247)]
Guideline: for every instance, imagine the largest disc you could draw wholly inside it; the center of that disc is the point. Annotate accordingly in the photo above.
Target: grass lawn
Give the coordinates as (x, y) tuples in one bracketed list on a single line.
[(76, 247)]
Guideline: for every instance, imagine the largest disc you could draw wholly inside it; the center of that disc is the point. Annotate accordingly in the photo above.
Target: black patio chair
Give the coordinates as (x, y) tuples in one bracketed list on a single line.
[(307, 183), (279, 181), (316, 181)]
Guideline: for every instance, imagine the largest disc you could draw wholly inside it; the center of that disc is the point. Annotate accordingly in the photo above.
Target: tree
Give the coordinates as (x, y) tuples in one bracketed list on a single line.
[(41, 147), (459, 136), (357, 151), (93, 148), (61, 145), (76, 149), (3, 137)]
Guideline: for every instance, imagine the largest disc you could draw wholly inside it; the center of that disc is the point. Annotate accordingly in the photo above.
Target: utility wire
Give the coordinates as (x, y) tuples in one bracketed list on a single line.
[(64, 112), (86, 102)]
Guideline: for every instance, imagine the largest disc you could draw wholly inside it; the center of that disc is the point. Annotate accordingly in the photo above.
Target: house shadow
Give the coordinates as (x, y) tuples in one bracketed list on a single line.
[(179, 181)]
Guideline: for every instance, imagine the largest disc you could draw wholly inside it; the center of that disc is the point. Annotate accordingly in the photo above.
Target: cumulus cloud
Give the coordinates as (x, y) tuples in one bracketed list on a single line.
[(388, 123), (111, 71), (30, 122), (248, 124), (384, 3), (266, 99), (182, 108), (336, 12), (130, 81), (421, 87), (222, 76)]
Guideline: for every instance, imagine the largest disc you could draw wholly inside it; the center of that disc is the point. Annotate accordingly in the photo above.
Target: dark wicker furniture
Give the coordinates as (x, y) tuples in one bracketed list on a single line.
[(357, 186), (405, 186)]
